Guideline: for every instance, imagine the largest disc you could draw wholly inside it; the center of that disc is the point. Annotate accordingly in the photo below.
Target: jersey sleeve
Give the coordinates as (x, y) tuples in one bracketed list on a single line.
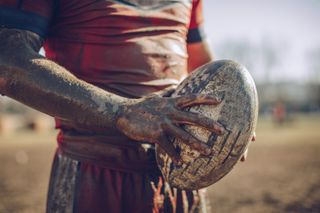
[(31, 15), (195, 32)]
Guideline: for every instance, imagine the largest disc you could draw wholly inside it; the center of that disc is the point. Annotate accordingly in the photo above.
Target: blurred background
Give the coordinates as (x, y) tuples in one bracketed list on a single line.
[(279, 42)]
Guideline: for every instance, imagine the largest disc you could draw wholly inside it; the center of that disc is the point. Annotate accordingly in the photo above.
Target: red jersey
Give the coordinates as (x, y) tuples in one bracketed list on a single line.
[(128, 47)]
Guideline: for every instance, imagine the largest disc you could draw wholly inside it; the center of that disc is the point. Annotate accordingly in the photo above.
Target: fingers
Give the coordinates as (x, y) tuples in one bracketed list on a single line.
[(254, 137), (244, 156), (169, 149), (188, 139), (192, 100), (198, 120)]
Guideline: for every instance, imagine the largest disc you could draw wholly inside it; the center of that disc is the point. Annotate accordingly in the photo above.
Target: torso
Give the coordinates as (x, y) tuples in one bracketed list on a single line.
[(129, 47)]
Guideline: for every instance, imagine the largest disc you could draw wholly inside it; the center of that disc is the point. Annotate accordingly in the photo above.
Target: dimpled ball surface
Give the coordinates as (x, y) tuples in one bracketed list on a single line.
[(237, 112)]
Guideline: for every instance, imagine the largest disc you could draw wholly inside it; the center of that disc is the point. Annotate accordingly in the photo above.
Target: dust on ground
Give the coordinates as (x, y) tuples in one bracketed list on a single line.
[(282, 173)]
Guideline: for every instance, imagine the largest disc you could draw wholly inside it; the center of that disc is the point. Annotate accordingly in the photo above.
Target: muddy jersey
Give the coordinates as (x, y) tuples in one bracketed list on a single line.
[(129, 47)]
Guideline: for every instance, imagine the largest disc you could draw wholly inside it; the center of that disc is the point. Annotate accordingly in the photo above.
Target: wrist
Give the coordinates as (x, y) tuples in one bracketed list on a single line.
[(120, 109)]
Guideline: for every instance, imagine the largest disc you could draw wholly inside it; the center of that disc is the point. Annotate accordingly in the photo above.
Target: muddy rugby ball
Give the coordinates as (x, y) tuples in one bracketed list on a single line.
[(237, 112)]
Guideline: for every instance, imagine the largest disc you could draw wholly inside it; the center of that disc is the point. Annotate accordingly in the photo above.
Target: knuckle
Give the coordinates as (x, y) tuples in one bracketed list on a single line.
[(175, 101), (172, 113), (199, 117), (166, 124), (193, 117)]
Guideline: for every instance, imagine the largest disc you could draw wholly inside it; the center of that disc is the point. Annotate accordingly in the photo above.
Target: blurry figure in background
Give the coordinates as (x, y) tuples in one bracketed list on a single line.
[(15, 116), (279, 113)]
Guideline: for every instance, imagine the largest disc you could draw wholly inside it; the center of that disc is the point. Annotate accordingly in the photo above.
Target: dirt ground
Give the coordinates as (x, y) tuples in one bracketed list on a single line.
[(282, 173)]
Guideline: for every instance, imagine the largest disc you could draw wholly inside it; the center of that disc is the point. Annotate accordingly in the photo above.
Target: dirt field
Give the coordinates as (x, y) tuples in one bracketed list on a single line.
[(282, 173)]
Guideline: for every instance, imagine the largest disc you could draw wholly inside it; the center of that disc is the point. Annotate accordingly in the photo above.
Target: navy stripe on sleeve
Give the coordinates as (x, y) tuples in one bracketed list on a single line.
[(15, 18), (195, 35)]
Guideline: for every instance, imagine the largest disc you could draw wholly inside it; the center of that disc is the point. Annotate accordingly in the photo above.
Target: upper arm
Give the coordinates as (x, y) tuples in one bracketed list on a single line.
[(198, 49)]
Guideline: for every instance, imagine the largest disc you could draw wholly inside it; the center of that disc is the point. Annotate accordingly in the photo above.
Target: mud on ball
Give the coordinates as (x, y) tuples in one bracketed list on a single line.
[(237, 112)]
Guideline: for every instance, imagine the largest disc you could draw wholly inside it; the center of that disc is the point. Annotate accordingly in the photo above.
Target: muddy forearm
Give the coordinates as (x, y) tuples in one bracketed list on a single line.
[(42, 84), (32, 79)]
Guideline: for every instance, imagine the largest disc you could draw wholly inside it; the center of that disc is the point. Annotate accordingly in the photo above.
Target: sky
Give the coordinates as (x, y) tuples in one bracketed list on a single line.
[(294, 25)]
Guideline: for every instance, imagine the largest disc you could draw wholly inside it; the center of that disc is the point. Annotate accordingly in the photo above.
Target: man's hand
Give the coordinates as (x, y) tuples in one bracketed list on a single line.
[(154, 119)]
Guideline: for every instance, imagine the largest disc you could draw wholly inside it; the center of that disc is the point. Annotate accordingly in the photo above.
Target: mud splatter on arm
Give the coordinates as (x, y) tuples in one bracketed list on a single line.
[(42, 84)]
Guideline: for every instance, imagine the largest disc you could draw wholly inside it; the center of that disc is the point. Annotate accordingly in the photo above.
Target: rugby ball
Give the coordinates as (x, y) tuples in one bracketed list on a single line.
[(237, 112)]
